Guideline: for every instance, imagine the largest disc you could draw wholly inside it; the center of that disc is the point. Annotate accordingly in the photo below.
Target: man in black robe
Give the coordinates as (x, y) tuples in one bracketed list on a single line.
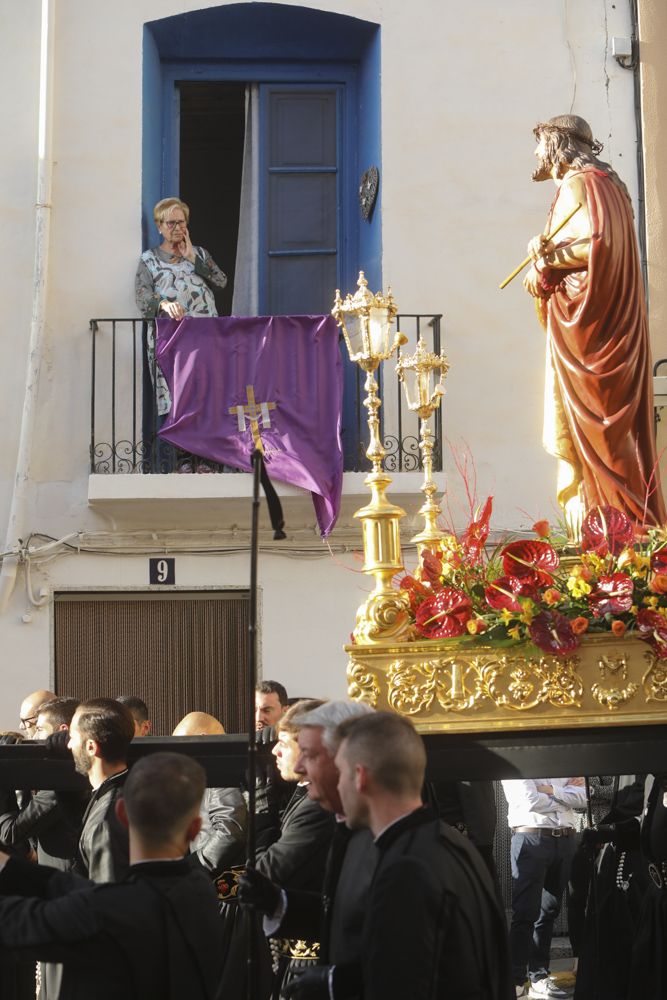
[(48, 819), (433, 926), (155, 935), (334, 917), (100, 735), (295, 860)]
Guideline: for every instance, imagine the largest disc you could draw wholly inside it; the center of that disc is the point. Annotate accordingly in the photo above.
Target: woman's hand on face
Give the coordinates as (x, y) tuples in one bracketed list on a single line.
[(174, 310), (185, 248)]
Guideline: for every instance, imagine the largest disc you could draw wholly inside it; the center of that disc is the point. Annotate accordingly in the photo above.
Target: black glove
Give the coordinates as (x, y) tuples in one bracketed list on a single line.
[(258, 891), (593, 837), (324, 981), (311, 985), (56, 744)]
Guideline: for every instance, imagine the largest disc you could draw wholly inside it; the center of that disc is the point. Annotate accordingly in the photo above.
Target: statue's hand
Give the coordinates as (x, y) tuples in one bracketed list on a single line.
[(532, 283), (539, 247)]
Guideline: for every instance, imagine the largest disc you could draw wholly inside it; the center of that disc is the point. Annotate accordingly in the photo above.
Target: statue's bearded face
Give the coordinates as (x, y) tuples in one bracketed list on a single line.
[(543, 171)]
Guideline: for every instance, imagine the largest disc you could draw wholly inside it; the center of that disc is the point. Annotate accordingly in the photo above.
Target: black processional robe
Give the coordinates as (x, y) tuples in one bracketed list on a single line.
[(155, 936), (295, 860)]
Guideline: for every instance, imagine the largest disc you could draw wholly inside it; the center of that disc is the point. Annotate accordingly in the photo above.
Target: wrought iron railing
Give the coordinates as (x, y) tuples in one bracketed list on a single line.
[(124, 421)]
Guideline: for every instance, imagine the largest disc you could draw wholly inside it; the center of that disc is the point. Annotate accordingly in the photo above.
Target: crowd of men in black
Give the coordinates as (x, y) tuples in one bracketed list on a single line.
[(363, 885)]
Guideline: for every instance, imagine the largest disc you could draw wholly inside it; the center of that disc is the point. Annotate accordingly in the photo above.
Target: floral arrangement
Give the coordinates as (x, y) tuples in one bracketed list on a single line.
[(524, 591)]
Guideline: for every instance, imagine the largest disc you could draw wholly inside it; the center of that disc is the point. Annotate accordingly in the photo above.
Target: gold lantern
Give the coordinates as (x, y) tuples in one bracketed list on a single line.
[(365, 320)]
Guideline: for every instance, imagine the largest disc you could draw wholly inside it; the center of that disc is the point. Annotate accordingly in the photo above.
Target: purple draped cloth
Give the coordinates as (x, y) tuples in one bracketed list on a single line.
[(279, 377)]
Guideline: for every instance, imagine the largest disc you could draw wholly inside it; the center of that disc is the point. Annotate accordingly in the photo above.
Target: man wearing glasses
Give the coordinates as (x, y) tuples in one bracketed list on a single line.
[(28, 712)]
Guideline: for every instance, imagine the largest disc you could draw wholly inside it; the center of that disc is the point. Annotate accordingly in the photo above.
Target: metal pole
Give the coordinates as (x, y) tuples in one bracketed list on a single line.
[(251, 918), (593, 894)]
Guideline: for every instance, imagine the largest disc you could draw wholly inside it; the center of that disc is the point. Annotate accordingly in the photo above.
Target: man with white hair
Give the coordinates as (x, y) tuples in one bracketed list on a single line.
[(336, 917)]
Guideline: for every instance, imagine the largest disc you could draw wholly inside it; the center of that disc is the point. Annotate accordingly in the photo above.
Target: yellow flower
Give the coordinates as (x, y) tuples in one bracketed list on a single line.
[(626, 558), (528, 612), (515, 632), (506, 616), (642, 564), (634, 609), (651, 602), (594, 561), (577, 586)]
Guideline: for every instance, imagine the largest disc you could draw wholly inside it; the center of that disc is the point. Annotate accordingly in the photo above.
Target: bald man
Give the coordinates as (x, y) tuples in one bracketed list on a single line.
[(221, 842), (28, 712), (199, 724)]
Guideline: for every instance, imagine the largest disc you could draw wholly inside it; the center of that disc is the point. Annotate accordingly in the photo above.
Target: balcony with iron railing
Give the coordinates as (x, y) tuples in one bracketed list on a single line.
[(130, 462)]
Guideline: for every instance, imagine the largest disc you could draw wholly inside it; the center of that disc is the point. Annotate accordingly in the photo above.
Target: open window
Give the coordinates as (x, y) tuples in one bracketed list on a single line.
[(251, 115)]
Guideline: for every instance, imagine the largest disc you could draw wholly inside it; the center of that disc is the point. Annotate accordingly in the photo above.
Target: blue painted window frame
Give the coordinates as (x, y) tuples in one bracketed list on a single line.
[(343, 76)]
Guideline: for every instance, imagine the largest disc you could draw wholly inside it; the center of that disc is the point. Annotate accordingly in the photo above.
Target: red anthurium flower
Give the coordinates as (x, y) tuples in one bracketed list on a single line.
[(613, 595), (659, 560), (476, 534), (501, 594), (653, 628), (532, 559), (606, 529), (431, 567), (553, 633), (445, 615)]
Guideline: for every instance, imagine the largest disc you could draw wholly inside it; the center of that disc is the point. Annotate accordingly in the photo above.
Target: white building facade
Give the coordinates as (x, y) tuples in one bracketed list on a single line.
[(96, 102)]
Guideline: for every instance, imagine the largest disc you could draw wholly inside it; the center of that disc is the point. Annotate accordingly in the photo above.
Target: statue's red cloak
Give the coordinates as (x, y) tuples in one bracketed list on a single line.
[(599, 393)]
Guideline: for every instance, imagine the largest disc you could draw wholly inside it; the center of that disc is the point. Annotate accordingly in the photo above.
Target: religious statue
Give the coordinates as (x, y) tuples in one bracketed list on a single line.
[(589, 296)]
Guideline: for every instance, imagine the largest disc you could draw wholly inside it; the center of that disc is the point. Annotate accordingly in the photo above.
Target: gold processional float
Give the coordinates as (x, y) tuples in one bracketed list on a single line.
[(473, 683)]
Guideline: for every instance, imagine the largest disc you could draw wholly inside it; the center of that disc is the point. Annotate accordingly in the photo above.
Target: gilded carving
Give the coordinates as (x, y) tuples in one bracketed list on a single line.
[(567, 687), (457, 684), (613, 665), (474, 688), (654, 680), (518, 683), (411, 687), (362, 684), (611, 698), (414, 687), (383, 618)]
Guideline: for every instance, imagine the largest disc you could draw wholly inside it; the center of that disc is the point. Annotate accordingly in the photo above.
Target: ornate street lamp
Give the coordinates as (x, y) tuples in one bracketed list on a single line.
[(423, 394), (365, 320)]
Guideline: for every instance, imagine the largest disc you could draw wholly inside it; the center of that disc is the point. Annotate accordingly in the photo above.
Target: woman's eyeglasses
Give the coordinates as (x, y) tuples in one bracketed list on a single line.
[(171, 223)]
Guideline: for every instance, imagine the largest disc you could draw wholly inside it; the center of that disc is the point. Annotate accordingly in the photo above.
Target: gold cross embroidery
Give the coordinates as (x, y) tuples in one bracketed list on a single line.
[(253, 411)]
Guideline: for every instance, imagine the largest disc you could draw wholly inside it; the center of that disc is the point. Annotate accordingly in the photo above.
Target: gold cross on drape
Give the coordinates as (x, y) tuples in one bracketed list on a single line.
[(253, 411)]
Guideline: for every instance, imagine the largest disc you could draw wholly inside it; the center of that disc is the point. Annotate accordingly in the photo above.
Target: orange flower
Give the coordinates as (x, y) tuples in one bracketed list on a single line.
[(541, 529), (658, 584), (579, 625), (618, 628), (552, 596)]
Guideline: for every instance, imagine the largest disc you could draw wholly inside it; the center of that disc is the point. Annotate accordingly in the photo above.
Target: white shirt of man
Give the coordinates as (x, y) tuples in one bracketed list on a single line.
[(531, 806)]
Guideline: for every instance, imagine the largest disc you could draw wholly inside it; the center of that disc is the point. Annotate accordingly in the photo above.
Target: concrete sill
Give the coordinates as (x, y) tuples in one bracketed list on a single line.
[(223, 500)]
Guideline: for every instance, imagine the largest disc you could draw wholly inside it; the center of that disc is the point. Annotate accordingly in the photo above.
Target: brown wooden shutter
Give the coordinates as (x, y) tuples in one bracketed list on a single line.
[(178, 651)]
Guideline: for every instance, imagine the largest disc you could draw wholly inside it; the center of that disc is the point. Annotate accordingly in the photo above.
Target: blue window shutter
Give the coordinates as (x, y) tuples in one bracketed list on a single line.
[(300, 198)]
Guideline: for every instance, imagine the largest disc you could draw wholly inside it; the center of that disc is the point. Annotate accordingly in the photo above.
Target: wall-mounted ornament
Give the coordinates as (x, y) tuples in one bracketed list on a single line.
[(368, 189)]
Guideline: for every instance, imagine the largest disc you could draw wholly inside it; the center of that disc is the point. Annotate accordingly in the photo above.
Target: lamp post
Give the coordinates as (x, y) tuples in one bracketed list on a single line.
[(423, 395), (365, 320)]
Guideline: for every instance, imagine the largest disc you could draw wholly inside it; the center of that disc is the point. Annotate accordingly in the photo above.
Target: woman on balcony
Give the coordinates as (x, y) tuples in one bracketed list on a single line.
[(174, 279)]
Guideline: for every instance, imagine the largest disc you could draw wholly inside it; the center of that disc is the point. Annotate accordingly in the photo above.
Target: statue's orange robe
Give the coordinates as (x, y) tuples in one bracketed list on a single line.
[(599, 392)]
